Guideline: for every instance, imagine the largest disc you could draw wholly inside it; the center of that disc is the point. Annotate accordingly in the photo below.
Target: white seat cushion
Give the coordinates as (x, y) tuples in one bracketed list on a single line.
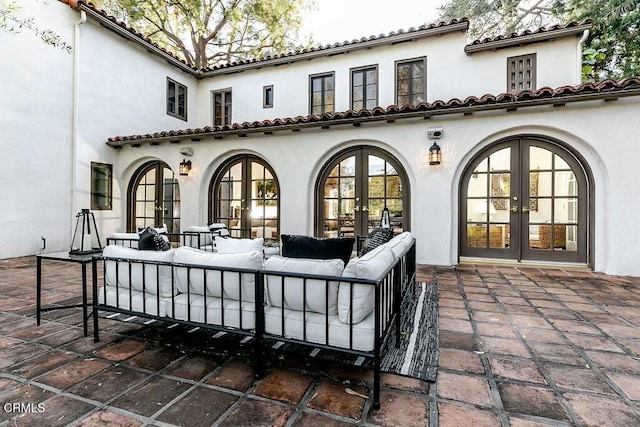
[(363, 332), (195, 280), (133, 300), (155, 279), (320, 294), (214, 311), (370, 266), (233, 246)]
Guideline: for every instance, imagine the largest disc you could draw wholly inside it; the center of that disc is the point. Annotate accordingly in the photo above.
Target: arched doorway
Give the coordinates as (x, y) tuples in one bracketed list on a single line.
[(154, 198), (525, 198), (354, 187), (244, 194)]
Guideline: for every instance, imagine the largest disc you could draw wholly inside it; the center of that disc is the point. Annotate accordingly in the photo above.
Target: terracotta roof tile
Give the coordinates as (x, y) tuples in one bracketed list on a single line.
[(546, 95), (527, 36), (541, 30)]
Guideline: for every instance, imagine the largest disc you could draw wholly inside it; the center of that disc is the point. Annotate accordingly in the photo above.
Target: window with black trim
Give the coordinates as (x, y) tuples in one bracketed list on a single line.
[(364, 88), (411, 85), (267, 96), (521, 73), (176, 99), (322, 94), (222, 108), (101, 186)]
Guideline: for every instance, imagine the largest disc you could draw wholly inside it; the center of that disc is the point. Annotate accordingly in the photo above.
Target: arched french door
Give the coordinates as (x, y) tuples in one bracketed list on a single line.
[(154, 198), (525, 199), (244, 194), (353, 189)]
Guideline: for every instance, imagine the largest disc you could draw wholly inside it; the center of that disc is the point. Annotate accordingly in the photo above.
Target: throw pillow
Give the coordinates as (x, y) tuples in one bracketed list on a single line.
[(151, 240), (377, 237), (315, 248)]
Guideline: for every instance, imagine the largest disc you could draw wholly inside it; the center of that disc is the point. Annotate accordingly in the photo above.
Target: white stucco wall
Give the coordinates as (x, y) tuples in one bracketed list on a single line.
[(122, 91), (35, 134), (451, 73), (598, 131)]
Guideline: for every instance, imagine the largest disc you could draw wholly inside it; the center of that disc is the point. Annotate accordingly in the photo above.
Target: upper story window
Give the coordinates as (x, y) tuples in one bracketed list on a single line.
[(222, 108), (267, 97), (176, 99), (410, 82), (364, 88), (322, 93), (521, 73), (101, 186)]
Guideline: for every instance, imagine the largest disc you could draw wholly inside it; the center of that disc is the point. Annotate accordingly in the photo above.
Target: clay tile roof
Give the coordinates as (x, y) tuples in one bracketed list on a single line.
[(123, 29), (528, 36), (608, 89)]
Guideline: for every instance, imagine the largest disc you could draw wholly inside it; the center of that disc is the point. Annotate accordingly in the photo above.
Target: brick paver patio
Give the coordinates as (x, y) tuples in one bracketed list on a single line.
[(518, 347)]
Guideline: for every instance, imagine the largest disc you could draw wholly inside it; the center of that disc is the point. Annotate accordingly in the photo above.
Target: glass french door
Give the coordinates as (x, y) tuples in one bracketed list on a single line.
[(244, 195), (154, 198), (525, 199), (355, 187)]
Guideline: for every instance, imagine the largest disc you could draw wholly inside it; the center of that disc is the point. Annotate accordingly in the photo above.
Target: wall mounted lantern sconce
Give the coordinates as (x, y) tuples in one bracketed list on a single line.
[(435, 155), (185, 167)]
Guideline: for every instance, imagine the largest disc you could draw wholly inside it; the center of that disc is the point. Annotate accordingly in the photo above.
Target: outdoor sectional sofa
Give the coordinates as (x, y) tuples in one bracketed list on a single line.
[(320, 303)]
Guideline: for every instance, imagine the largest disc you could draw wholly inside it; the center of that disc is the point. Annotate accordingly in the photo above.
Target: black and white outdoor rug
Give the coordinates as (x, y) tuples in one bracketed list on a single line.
[(417, 355)]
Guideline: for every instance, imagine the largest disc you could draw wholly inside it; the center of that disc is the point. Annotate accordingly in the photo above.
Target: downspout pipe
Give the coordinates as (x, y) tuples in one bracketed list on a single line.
[(76, 96), (585, 34)]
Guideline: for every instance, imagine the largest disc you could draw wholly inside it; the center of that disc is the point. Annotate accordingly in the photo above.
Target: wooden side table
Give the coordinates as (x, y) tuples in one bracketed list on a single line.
[(83, 260)]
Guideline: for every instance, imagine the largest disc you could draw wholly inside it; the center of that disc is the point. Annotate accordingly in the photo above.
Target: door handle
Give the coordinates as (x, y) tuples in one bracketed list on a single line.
[(365, 209), (357, 208), (525, 210), (514, 209)]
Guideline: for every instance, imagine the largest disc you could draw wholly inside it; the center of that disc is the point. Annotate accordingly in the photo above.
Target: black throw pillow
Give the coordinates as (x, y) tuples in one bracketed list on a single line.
[(314, 248), (377, 237), (151, 240)]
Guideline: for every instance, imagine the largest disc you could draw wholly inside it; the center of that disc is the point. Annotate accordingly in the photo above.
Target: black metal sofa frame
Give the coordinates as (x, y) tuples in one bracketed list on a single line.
[(389, 289)]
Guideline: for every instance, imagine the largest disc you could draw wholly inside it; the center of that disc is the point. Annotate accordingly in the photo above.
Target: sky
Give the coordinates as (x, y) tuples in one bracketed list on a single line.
[(339, 20)]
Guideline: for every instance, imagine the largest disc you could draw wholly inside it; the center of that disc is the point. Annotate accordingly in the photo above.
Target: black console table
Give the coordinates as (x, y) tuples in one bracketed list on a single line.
[(83, 260)]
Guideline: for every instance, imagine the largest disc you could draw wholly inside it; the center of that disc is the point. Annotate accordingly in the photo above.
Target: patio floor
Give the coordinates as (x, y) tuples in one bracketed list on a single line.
[(519, 347)]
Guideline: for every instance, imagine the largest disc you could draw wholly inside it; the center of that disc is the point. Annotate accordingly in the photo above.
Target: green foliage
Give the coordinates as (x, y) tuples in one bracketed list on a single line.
[(612, 49), (615, 33), (11, 22), (212, 32)]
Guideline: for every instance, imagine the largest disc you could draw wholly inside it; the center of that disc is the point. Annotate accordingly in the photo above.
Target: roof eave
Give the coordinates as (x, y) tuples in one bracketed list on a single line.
[(106, 22), (344, 48), (526, 39)]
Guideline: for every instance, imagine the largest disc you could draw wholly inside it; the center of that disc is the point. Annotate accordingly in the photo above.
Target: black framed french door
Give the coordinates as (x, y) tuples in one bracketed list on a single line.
[(525, 199), (154, 198), (353, 189), (244, 194)]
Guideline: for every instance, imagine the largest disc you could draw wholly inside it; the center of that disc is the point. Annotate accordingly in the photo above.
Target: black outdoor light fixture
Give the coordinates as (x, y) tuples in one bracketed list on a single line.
[(85, 236), (185, 167), (435, 155)]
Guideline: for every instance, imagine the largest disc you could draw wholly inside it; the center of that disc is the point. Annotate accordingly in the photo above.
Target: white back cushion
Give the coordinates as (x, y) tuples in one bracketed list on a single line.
[(370, 266), (233, 283), (155, 279), (234, 246), (205, 235), (320, 294)]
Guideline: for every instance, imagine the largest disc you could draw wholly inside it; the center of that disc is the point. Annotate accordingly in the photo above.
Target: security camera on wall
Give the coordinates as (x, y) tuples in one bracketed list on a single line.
[(186, 151), (434, 133)]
